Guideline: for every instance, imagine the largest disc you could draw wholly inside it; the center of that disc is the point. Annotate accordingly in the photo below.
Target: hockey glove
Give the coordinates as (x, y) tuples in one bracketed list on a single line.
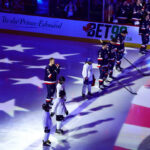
[(52, 114), (67, 112), (57, 65), (86, 81)]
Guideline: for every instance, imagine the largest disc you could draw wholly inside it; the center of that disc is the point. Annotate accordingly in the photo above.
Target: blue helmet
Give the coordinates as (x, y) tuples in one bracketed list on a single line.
[(89, 60)]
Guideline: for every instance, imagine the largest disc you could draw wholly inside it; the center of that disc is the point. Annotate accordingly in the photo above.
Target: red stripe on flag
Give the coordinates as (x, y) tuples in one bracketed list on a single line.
[(147, 84), (119, 148), (139, 115)]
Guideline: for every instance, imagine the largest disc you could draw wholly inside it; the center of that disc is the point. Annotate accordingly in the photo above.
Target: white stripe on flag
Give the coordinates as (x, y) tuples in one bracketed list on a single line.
[(143, 97), (135, 128), (131, 136)]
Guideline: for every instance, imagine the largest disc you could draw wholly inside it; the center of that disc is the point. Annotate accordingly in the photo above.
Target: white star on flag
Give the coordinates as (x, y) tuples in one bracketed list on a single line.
[(18, 48), (35, 67), (38, 67), (7, 61), (78, 80), (9, 107), (55, 55), (33, 80), (3, 70), (94, 65)]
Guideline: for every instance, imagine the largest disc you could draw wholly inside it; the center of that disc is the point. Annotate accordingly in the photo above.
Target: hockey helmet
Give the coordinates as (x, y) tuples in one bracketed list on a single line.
[(124, 31), (89, 60), (62, 79)]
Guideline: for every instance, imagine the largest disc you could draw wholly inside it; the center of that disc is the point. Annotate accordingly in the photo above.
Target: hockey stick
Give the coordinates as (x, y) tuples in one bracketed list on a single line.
[(101, 41), (130, 91), (135, 67)]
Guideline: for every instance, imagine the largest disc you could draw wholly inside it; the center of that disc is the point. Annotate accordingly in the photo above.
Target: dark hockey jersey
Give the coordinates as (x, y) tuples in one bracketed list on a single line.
[(102, 57), (51, 73), (112, 49), (144, 27), (120, 42)]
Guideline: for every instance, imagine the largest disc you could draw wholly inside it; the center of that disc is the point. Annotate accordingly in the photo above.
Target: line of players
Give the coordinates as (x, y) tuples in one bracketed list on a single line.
[(109, 56), (55, 101)]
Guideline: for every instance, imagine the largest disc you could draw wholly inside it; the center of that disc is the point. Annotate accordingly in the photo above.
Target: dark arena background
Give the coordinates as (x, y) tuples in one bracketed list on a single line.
[(116, 117)]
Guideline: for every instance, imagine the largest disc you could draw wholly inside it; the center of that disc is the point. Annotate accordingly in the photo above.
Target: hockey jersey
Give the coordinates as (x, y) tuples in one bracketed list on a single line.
[(87, 71), (112, 49), (144, 27), (51, 73), (47, 122), (120, 42), (59, 107), (59, 87), (102, 57)]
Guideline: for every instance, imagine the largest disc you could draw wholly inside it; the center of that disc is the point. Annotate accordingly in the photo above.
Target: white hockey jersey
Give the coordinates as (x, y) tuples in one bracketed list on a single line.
[(59, 107), (59, 87), (87, 71), (47, 122)]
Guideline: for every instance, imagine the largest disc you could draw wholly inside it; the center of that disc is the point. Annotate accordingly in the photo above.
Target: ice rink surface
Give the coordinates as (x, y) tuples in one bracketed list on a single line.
[(92, 124)]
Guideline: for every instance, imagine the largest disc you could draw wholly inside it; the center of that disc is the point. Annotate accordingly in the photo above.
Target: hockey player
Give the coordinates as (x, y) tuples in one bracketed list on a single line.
[(120, 48), (112, 50), (144, 31), (51, 72), (47, 124), (103, 64), (60, 110), (60, 86), (87, 74)]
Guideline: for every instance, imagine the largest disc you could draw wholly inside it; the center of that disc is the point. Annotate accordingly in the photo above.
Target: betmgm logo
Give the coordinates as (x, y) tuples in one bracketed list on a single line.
[(103, 31)]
